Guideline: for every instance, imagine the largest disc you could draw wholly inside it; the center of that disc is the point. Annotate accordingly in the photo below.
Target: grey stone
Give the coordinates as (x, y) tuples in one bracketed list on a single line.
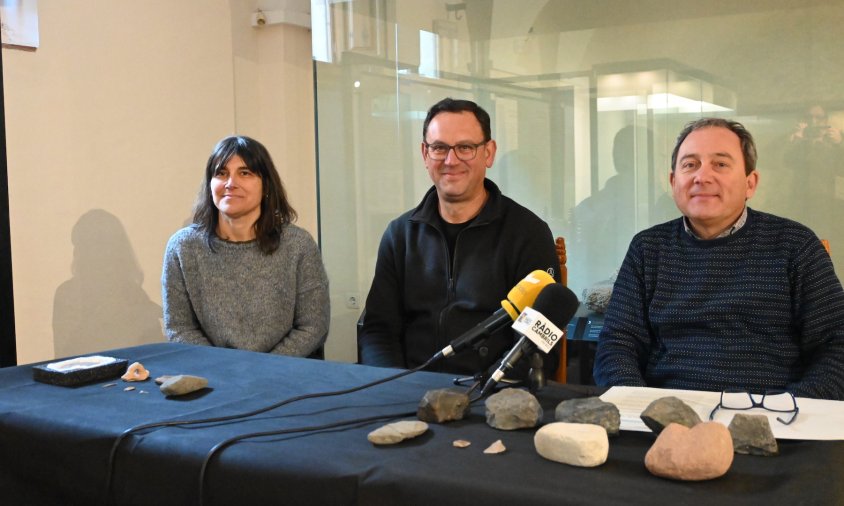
[(397, 432), (665, 410), (183, 384), (597, 297), (575, 444), (161, 379), (752, 435), (443, 405), (590, 410), (512, 409)]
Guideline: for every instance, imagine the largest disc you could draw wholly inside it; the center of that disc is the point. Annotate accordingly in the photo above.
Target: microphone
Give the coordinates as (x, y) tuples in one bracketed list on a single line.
[(521, 296), (539, 327)]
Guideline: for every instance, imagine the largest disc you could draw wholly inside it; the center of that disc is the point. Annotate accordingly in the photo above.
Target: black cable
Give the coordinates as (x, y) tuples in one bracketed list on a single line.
[(228, 442), (290, 400), (476, 399)]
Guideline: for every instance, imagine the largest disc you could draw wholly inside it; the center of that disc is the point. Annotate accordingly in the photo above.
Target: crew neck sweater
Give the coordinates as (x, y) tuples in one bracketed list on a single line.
[(235, 296), (761, 309)]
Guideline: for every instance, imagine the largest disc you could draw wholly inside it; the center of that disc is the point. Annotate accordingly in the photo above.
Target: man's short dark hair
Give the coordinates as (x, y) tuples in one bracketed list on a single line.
[(458, 106), (748, 145)]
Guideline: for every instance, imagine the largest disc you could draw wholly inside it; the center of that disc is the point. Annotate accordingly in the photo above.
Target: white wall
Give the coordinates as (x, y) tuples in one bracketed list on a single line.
[(273, 75), (109, 124)]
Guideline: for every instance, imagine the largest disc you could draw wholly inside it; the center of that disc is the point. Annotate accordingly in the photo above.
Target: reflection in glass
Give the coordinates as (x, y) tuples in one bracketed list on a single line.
[(585, 106)]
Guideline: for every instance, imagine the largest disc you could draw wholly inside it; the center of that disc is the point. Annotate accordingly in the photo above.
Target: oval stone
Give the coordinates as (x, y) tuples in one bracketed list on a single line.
[(703, 452), (575, 444)]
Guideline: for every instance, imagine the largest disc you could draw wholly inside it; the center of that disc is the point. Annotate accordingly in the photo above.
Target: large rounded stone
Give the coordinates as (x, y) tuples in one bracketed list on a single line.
[(512, 409), (666, 410), (575, 444), (443, 405), (701, 453), (590, 410)]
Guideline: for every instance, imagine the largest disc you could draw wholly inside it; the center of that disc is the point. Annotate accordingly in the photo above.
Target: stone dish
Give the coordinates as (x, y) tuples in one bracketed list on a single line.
[(78, 371)]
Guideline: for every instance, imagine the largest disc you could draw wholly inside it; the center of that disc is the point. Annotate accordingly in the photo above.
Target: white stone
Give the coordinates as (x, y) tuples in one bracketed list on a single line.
[(495, 448), (397, 432), (575, 444), (183, 384)]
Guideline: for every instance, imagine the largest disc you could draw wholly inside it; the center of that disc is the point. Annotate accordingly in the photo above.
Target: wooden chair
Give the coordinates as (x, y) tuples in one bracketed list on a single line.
[(562, 370)]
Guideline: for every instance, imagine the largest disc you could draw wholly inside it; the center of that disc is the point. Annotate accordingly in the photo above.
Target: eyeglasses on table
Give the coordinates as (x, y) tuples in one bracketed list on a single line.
[(778, 401)]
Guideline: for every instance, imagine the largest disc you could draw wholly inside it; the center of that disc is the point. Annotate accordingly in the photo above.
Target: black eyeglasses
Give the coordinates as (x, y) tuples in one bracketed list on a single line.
[(465, 151), (778, 401)]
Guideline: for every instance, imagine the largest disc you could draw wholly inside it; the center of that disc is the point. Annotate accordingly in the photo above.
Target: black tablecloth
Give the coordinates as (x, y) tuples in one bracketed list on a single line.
[(55, 442)]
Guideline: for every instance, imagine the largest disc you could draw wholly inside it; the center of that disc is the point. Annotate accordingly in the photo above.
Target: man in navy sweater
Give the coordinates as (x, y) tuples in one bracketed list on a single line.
[(725, 296)]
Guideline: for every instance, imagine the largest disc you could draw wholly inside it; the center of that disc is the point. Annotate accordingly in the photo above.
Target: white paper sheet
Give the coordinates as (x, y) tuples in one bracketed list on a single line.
[(818, 419)]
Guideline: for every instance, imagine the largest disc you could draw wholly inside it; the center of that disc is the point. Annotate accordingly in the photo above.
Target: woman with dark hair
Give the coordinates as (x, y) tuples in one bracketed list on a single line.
[(243, 275)]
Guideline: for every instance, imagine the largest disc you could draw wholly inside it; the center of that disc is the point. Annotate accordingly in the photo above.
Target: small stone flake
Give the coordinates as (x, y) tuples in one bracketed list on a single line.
[(128, 389), (460, 443), (496, 447)]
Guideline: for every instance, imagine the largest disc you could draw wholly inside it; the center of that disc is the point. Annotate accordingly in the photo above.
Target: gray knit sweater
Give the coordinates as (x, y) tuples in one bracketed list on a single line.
[(238, 297)]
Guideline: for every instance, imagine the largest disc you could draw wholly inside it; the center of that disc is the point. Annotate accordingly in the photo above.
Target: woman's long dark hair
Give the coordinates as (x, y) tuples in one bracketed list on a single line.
[(276, 210)]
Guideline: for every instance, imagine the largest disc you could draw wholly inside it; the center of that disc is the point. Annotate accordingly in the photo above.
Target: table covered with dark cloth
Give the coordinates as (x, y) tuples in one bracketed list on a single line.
[(55, 443)]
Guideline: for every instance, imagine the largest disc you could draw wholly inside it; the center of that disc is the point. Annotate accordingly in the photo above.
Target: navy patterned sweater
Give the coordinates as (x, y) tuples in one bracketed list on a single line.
[(761, 309)]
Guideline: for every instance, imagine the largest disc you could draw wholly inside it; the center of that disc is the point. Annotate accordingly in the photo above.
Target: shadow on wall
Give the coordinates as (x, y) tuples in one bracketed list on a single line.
[(103, 304)]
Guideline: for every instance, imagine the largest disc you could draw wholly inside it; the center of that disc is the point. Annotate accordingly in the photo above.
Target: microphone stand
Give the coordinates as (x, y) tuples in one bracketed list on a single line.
[(536, 375), (535, 379), (468, 380)]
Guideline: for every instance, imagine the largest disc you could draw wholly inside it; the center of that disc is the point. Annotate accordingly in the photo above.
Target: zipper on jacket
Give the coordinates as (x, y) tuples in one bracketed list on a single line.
[(449, 295)]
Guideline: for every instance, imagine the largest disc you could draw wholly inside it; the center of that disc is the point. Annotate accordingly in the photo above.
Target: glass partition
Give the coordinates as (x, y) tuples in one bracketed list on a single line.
[(586, 99)]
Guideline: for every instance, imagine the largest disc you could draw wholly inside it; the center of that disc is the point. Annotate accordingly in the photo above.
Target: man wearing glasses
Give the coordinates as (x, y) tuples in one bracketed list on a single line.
[(725, 298), (446, 265)]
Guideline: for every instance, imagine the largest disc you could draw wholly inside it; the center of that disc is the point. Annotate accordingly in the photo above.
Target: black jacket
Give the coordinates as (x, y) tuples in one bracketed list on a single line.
[(418, 303)]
